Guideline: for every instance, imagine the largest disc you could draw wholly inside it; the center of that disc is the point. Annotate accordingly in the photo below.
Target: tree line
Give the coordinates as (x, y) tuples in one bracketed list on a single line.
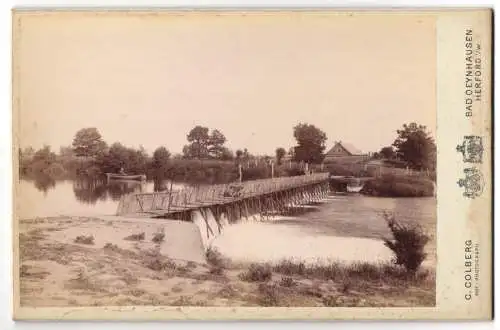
[(90, 154)]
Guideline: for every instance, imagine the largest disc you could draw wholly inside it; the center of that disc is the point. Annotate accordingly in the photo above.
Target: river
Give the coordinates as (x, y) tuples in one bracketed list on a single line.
[(339, 216)]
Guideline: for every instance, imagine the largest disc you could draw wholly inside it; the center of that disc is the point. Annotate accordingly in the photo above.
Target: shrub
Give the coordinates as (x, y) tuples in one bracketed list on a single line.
[(289, 267), (159, 264), (287, 282), (215, 258), (408, 244), (159, 237), (399, 186), (216, 270), (269, 295), (331, 301), (257, 273), (89, 240), (111, 246), (136, 237)]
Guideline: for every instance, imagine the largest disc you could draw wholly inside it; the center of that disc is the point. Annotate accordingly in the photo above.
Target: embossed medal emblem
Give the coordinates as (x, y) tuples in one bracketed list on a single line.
[(473, 182), (471, 149)]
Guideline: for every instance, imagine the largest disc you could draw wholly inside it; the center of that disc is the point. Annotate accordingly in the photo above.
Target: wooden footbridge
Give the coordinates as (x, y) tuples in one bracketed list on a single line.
[(234, 200)]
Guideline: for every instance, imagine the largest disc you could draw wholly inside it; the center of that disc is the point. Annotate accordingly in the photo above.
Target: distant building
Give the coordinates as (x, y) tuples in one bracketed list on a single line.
[(343, 151)]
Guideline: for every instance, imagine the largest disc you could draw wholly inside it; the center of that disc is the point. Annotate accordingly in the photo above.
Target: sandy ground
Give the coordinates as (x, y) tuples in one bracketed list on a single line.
[(122, 267)]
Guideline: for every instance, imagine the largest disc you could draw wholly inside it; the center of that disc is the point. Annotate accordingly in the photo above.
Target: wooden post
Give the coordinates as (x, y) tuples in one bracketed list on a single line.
[(240, 172), (272, 169), (170, 196)]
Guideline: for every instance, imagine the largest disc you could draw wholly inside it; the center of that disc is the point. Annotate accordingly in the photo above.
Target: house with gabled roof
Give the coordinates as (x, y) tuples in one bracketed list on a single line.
[(343, 151)]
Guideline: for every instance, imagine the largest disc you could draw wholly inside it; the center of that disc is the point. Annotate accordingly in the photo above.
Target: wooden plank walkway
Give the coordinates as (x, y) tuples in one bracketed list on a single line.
[(190, 198)]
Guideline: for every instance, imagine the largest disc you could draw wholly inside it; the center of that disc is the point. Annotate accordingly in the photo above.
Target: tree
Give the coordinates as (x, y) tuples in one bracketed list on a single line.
[(216, 144), (310, 143), (416, 147), (387, 152), (199, 140), (42, 160), (226, 154), (116, 158), (246, 155), (239, 154), (27, 153), (44, 154), (66, 151), (88, 142), (161, 157), (280, 153)]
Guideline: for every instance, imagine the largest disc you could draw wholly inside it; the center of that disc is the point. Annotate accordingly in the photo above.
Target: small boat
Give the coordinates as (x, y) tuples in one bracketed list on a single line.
[(135, 177)]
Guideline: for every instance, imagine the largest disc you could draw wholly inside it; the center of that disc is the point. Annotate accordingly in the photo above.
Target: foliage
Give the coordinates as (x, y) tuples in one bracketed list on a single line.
[(239, 154), (408, 243), (310, 143), (216, 259), (389, 185), (415, 146), (257, 273), (89, 240), (199, 140), (216, 144), (280, 153), (225, 154), (387, 152), (159, 236), (340, 272), (136, 237), (88, 142), (160, 159), (287, 281), (133, 161), (269, 295), (204, 144)]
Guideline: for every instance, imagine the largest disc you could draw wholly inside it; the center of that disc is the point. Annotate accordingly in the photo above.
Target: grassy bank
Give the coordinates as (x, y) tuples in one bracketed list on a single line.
[(399, 186), (82, 271)]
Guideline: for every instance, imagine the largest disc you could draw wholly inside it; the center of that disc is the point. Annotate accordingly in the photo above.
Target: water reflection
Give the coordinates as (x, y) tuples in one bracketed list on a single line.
[(92, 190), (44, 183), (116, 189)]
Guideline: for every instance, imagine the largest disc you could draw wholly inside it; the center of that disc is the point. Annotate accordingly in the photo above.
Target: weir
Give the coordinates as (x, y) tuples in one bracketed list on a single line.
[(213, 207)]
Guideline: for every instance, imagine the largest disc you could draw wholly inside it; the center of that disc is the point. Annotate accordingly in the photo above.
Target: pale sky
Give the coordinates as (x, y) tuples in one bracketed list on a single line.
[(149, 79)]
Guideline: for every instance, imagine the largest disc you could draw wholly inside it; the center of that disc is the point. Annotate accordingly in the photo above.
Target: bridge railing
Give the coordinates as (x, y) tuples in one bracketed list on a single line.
[(213, 194)]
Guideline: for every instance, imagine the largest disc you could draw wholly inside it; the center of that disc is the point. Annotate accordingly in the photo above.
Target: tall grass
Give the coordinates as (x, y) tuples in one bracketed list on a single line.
[(336, 271)]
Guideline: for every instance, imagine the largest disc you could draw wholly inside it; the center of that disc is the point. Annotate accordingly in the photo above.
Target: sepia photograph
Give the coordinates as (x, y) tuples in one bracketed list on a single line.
[(226, 160)]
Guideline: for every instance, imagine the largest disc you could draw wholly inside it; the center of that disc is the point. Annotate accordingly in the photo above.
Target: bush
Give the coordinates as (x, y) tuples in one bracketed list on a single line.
[(89, 240), (287, 281), (399, 186), (215, 258), (136, 237), (269, 295), (158, 237), (159, 264), (289, 267), (257, 273), (408, 244)]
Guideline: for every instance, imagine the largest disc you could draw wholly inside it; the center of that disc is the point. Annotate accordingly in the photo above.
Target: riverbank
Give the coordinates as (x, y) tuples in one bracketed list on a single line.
[(399, 186), (59, 268)]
